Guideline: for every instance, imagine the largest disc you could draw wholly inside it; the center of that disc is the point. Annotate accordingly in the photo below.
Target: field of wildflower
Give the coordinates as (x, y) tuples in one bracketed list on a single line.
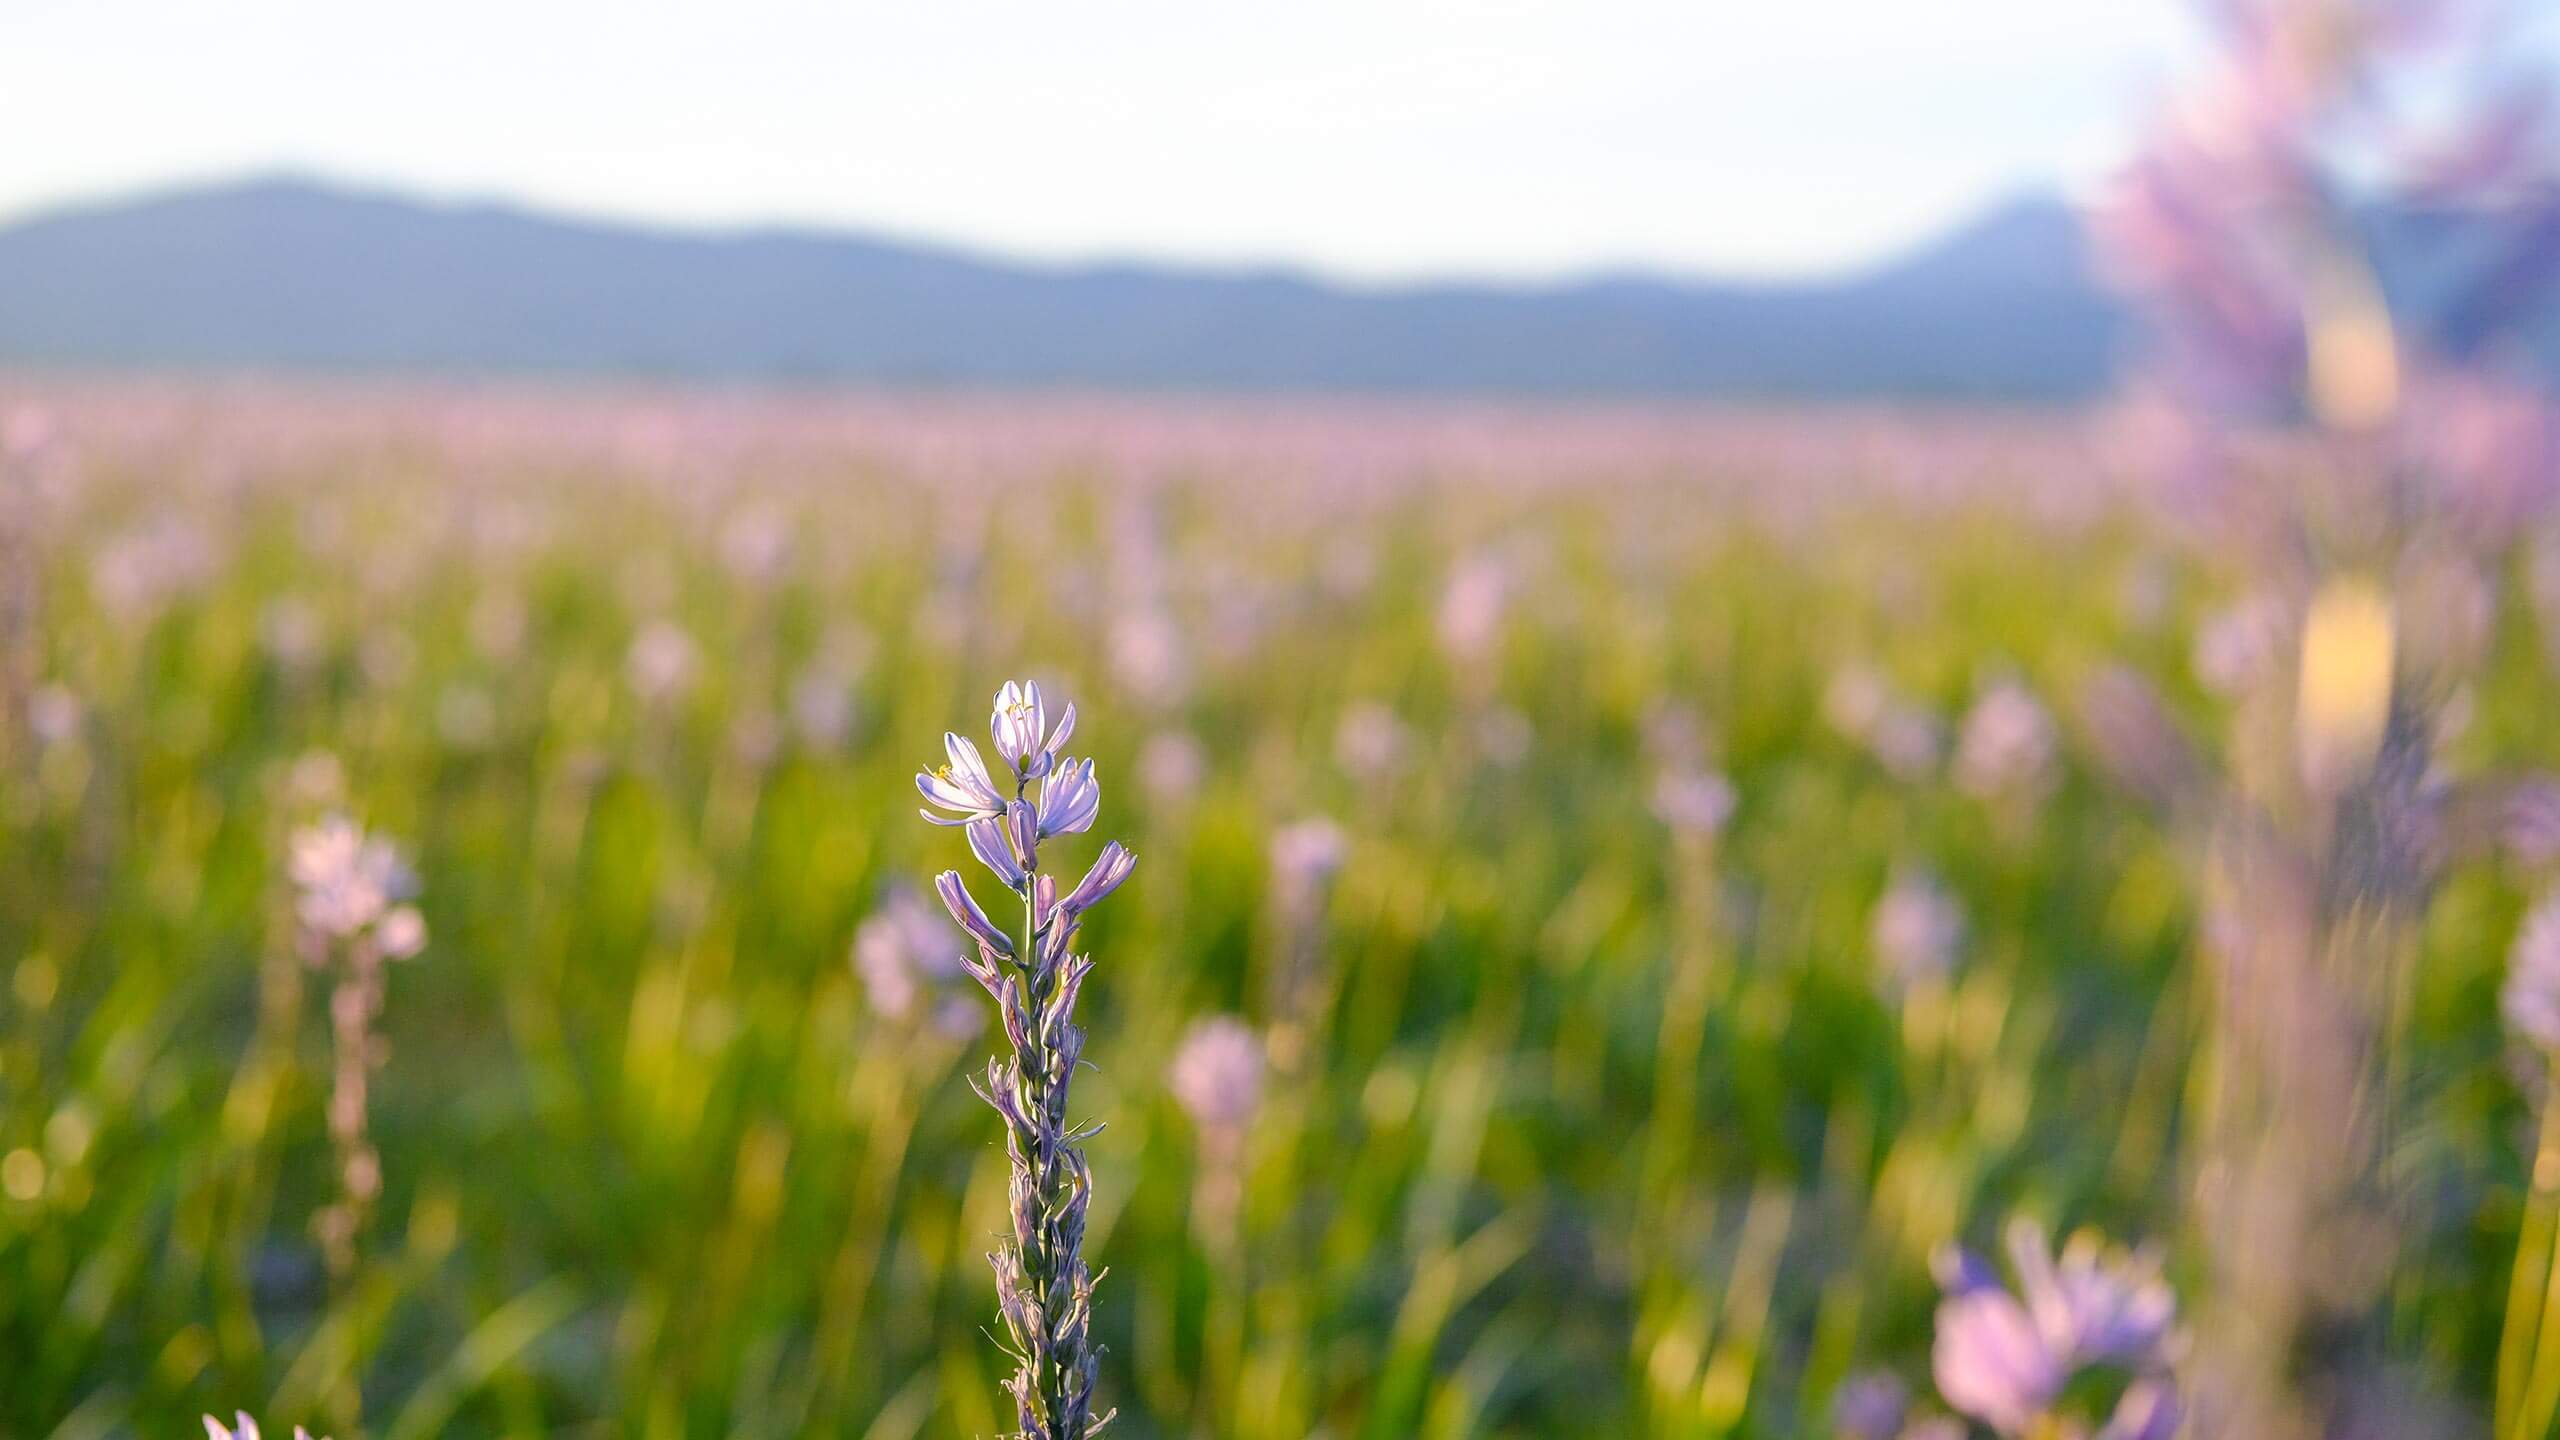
[(1437, 918), (1642, 924)]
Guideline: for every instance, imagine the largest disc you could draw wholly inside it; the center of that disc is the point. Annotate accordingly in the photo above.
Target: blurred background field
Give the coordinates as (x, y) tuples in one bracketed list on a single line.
[(1836, 718), (1600, 1099)]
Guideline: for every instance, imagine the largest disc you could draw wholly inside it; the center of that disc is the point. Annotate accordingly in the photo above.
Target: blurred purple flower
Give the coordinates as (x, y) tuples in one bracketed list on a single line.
[(1861, 705), (1305, 854), (756, 543), (242, 1428), (2091, 1305), (1990, 1362), (2135, 740), (1917, 930), (1216, 1074), (2530, 999), (1870, 1407), (661, 662), (1471, 609), (1147, 655), (2006, 746), (1693, 802), (1370, 742), (2148, 1410), (1171, 766), (2531, 824), (54, 714), (2243, 646), (2004, 1361), (348, 882), (901, 950), (822, 705)]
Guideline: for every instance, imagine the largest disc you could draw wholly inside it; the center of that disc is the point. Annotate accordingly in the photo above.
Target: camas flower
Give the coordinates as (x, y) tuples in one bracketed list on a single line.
[(2092, 1306), (347, 883), (1044, 1288), (1692, 801), (1217, 1074), (2005, 1359), (2006, 744), (1068, 799), (1991, 1363), (2149, 1410), (1007, 844), (1109, 868), (243, 1428), (2530, 999), (1870, 1407), (900, 950), (1018, 722), (1171, 767), (1917, 930), (964, 910), (962, 785)]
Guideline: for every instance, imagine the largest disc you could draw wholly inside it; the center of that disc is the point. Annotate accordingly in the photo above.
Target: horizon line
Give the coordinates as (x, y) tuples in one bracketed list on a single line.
[(2054, 191)]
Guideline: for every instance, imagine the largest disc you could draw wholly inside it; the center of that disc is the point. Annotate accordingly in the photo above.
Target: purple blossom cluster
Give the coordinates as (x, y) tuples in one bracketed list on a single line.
[(2004, 1358), (1044, 1289), (350, 894)]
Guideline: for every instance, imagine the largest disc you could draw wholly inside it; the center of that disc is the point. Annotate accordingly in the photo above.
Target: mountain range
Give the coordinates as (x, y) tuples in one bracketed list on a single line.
[(293, 275)]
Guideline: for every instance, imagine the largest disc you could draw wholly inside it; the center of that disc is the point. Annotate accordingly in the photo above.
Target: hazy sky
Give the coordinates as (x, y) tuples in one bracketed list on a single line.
[(1371, 138)]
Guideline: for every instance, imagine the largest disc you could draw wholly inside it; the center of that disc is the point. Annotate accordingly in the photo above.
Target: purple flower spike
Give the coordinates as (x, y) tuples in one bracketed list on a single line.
[(1109, 868), (1044, 1290), (1069, 798), (964, 909)]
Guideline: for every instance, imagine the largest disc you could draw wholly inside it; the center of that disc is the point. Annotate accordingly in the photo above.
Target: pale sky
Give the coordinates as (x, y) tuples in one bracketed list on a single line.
[(1371, 139)]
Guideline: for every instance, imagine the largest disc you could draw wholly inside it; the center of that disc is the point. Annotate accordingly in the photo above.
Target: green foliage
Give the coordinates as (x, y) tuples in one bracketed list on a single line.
[(656, 1168)]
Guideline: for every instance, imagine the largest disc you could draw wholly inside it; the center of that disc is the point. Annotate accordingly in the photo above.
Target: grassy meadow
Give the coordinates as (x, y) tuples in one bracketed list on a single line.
[(1575, 1119)]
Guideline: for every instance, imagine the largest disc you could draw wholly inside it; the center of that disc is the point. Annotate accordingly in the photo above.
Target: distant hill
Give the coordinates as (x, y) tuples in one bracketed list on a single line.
[(285, 274)]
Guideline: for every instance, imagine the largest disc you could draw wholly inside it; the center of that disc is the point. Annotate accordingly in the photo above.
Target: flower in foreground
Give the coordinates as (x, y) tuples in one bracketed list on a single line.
[(2530, 1000), (242, 1428), (1044, 1290), (2004, 1359)]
